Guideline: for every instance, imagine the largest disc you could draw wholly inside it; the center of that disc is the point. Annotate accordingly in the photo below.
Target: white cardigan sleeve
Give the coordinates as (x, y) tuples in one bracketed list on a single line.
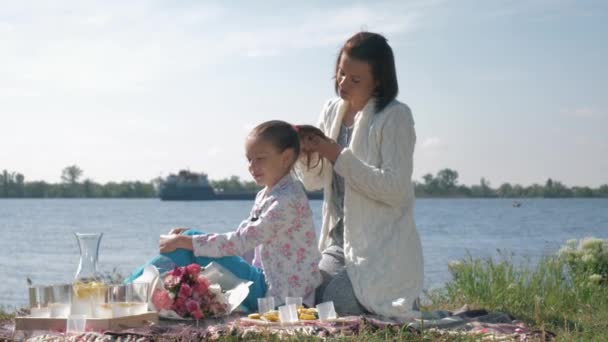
[(391, 181), (313, 179), (272, 222)]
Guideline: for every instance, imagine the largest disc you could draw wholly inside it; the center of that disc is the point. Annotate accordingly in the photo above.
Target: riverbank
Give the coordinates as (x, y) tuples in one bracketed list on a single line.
[(565, 294)]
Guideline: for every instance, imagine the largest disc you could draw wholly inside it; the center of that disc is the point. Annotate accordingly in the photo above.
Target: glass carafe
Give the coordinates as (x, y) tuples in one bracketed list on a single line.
[(87, 281), (89, 254)]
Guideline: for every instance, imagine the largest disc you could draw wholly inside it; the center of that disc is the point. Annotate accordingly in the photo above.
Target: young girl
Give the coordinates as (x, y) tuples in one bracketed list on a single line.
[(279, 228)]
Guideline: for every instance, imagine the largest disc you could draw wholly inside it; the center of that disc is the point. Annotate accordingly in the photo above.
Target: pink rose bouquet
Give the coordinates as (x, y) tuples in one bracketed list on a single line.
[(190, 294)]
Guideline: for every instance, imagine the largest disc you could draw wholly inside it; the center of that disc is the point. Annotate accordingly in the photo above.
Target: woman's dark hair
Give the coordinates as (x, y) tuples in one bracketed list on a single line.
[(280, 134), (373, 48)]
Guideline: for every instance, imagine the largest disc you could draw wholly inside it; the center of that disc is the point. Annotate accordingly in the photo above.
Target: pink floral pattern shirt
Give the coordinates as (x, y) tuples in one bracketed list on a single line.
[(280, 228)]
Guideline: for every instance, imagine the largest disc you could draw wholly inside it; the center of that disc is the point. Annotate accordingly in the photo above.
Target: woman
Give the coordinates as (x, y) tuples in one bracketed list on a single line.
[(371, 251)]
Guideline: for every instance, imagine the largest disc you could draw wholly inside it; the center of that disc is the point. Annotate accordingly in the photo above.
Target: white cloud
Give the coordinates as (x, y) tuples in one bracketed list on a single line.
[(14, 91), (101, 46), (587, 113), (325, 28), (431, 143), (213, 151), (501, 75), (584, 112), (117, 46), (540, 10)]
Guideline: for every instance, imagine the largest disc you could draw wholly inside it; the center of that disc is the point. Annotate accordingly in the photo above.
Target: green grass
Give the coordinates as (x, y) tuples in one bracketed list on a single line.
[(365, 334), (547, 296), (5, 315)]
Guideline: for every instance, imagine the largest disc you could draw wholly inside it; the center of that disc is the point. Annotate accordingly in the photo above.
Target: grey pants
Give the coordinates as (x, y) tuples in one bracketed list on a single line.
[(336, 285)]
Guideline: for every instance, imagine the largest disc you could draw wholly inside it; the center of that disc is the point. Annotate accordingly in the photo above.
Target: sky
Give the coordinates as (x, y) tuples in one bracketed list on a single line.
[(513, 91)]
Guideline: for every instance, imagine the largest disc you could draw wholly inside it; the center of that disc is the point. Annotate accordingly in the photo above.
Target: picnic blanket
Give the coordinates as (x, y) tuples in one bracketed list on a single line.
[(486, 325)]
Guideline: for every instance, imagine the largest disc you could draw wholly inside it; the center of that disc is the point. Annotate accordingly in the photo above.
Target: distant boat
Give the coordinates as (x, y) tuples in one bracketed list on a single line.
[(516, 204), (186, 186), (191, 186)]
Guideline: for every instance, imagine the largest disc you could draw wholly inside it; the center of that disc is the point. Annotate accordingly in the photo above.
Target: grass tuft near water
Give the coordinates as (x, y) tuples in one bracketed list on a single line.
[(4, 315), (561, 293)]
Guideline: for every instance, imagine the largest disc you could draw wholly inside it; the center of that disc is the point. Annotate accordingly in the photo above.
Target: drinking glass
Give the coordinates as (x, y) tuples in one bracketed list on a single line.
[(119, 300), (39, 301), (288, 313), (76, 324), (60, 303), (265, 304), (293, 300), (137, 296), (102, 303), (326, 311)]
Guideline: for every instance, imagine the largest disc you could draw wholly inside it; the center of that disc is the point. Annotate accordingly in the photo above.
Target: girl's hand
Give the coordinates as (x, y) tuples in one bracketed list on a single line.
[(177, 230), (169, 243)]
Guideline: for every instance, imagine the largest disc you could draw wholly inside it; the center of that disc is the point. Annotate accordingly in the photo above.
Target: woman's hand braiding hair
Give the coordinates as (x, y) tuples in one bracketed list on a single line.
[(310, 136)]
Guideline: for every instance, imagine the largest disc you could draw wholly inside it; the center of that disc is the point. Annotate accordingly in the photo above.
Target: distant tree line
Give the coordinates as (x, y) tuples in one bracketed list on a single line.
[(233, 184), (443, 184), (13, 185)]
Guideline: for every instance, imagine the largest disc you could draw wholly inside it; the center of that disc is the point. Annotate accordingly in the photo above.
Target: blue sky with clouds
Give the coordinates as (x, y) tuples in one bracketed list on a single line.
[(512, 91)]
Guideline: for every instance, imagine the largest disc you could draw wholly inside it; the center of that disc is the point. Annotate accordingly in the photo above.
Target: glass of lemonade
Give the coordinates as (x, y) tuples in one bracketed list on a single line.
[(119, 301), (39, 300), (60, 303), (102, 303), (138, 297)]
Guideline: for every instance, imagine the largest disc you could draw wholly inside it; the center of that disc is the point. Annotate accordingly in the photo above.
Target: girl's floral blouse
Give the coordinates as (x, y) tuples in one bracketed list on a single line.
[(280, 228)]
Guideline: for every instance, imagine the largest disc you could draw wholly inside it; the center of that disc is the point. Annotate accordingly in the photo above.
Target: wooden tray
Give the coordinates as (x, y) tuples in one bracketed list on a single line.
[(92, 324)]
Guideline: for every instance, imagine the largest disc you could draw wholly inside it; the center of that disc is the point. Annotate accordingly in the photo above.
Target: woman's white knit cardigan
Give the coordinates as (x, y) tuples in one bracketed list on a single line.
[(381, 244)]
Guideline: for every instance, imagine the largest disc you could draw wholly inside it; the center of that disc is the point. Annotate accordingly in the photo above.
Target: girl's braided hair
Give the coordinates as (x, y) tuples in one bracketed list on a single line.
[(309, 133)]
